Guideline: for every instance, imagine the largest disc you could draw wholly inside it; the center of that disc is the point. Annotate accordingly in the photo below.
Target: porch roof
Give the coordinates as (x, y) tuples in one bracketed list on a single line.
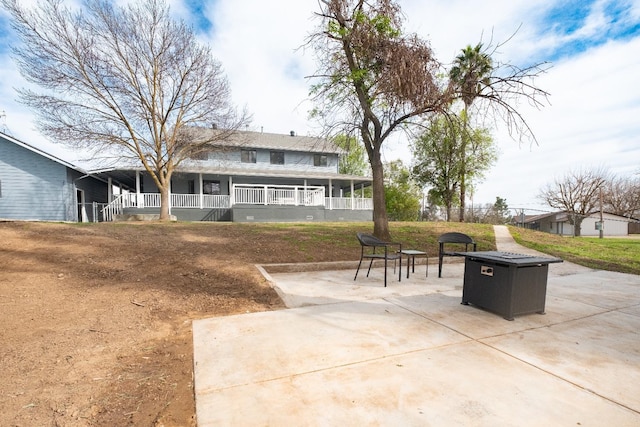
[(127, 177)]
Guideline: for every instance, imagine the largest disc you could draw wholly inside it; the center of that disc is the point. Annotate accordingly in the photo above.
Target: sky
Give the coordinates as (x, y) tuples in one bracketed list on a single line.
[(592, 47)]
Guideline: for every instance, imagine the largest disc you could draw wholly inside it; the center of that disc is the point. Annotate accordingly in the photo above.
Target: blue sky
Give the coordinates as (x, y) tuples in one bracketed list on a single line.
[(592, 47)]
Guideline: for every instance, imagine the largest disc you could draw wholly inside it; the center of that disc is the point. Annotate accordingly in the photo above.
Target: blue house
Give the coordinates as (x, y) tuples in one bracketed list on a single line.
[(254, 176), (35, 185)]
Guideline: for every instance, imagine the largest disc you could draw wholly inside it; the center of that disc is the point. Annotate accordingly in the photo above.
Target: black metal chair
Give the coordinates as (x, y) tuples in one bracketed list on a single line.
[(457, 239), (386, 251)]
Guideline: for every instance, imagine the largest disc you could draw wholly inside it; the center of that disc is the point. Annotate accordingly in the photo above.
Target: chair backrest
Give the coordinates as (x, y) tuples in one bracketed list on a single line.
[(455, 237), (369, 240)]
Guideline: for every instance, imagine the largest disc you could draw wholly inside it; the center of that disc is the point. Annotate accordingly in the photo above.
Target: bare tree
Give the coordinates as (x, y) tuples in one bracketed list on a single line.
[(621, 196), (125, 83), (577, 193), (373, 80)]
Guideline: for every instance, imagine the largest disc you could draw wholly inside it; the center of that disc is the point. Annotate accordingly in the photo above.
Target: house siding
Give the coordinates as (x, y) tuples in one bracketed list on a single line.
[(558, 223), (33, 187), (94, 191), (613, 225), (248, 213), (293, 161)]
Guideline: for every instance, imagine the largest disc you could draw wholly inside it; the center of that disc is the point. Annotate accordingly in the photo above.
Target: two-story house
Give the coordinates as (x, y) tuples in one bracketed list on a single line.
[(254, 176)]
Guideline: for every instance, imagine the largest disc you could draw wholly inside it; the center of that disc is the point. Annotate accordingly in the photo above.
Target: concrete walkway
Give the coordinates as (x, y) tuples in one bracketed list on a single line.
[(355, 353)]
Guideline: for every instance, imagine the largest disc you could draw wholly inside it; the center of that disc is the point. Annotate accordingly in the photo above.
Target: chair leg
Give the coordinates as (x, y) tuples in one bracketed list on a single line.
[(426, 274), (358, 269), (385, 271), (439, 266), (370, 264)]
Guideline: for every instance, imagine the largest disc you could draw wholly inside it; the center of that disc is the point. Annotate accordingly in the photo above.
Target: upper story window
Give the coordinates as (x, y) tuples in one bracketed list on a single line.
[(319, 160), (201, 155), (248, 156), (277, 157)]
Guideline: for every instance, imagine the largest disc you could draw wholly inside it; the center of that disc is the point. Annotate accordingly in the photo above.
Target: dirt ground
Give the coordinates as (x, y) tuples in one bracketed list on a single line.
[(95, 320)]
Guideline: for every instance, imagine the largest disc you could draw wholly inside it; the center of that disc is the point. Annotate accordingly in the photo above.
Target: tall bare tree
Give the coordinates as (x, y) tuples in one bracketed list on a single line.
[(126, 83), (373, 80), (577, 193)]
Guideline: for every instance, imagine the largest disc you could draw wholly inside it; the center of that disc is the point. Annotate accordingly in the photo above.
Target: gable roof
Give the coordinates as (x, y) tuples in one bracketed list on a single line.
[(39, 151), (274, 141)]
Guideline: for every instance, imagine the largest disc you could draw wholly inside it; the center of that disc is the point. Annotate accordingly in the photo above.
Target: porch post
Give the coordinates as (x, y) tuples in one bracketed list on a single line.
[(330, 194), (170, 197), (305, 195), (201, 192), (353, 201), (138, 197), (232, 192), (109, 190), (266, 191)]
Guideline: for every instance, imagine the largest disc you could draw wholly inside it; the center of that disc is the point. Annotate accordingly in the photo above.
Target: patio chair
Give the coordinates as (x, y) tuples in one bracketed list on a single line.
[(453, 238), (374, 248)]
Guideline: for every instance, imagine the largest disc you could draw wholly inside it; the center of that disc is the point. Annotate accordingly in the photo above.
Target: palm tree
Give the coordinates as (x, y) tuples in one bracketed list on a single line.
[(470, 73)]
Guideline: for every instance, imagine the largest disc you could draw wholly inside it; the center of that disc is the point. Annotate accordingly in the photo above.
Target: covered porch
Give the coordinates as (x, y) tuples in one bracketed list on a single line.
[(244, 198)]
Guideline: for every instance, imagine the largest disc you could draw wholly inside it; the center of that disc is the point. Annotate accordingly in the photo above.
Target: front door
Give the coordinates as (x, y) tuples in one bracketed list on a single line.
[(82, 212)]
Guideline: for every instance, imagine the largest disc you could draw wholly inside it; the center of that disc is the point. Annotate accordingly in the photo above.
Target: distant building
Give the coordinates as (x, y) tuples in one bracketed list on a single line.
[(561, 223)]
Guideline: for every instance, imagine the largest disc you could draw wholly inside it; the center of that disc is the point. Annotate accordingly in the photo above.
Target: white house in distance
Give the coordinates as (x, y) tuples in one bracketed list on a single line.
[(559, 223), (255, 176)]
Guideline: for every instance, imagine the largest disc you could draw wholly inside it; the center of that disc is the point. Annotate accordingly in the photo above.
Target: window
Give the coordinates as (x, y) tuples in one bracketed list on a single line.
[(202, 155), (319, 160), (211, 187), (248, 156), (277, 157), (192, 186)]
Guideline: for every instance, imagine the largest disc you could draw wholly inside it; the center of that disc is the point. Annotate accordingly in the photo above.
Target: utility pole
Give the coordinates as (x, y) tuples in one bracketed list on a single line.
[(601, 218)]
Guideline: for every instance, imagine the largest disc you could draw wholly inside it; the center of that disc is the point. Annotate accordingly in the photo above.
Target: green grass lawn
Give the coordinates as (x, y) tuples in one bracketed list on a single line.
[(621, 254)]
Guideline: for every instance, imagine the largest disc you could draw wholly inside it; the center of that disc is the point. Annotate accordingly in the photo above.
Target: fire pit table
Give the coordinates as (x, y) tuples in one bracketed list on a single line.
[(506, 283)]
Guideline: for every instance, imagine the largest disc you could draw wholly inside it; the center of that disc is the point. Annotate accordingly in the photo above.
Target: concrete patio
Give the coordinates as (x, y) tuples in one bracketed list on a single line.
[(356, 353)]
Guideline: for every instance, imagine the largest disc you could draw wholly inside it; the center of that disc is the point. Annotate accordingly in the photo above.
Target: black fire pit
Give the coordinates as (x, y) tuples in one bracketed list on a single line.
[(506, 283)]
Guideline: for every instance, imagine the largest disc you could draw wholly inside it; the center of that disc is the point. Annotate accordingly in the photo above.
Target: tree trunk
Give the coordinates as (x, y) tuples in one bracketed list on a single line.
[(463, 191), (164, 203), (463, 165), (577, 226), (380, 220)]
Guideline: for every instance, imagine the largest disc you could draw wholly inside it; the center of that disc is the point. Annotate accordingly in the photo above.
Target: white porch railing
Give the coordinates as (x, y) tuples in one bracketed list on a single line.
[(243, 194), (152, 200), (348, 203), (246, 194)]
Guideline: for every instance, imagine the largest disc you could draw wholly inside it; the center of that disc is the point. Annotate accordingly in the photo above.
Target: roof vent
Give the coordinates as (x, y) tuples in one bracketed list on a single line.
[(292, 133)]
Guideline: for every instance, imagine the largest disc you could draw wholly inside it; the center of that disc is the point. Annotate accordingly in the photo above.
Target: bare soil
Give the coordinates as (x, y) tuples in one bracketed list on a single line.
[(95, 320)]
